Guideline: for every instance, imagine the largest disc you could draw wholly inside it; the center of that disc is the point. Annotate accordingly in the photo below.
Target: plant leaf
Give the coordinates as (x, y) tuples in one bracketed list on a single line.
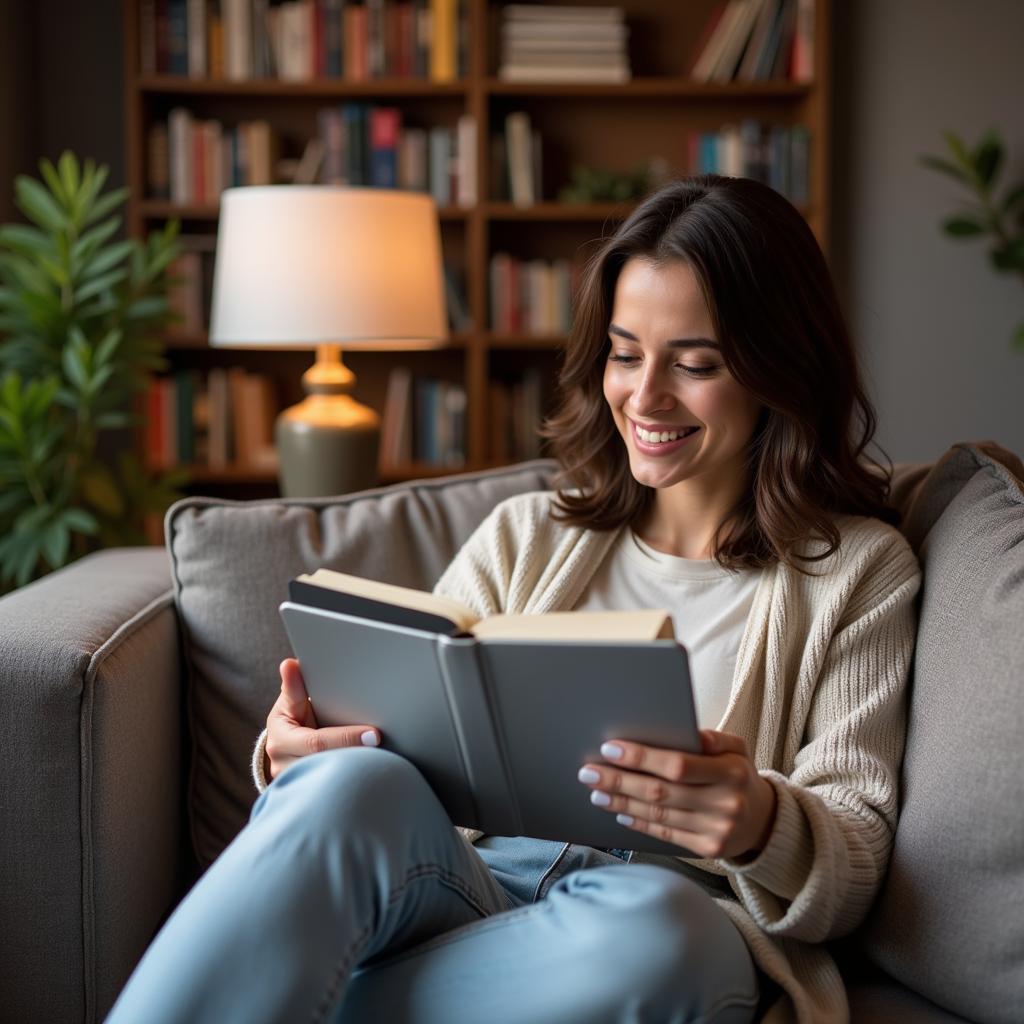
[(99, 284), (53, 182), (69, 177), (104, 205), (987, 157), (945, 167), (962, 227), (38, 204), (80, 520), (27, 240), (108, 258), (55, 542), (1015, 198), (1009, 256)]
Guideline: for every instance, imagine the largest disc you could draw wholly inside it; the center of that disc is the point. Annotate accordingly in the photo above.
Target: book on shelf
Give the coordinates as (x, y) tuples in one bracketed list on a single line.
[(563, 44), (225, 418), (424, 420), (515, 410), (531, 296), (365, 144), (497, 712), (778, 155), (302, 40), (204, 157), (757, 40), (518, 142)]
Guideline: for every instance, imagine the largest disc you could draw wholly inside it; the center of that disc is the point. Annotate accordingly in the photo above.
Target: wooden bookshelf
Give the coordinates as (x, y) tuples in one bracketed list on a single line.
[(613, 127)]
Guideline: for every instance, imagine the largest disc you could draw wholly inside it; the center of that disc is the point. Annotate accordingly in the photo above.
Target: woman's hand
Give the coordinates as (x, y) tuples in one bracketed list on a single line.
[(292, 731), (714, 803)]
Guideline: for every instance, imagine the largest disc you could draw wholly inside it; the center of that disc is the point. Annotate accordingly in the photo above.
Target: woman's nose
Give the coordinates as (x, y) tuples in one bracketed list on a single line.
[(651, 391)]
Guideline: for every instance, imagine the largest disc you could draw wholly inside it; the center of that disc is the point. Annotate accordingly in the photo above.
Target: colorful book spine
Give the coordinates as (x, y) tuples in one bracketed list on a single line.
[(385, 128)]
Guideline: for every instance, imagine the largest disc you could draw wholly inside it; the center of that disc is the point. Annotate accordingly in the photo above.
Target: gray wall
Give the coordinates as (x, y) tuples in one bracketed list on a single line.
[(933, 319)]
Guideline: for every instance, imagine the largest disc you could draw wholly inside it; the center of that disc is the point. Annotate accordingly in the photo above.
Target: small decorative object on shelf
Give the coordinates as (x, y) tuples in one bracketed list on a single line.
[(598, 185)]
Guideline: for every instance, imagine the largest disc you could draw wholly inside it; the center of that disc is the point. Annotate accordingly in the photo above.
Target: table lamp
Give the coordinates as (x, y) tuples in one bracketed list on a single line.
[(321, 267)]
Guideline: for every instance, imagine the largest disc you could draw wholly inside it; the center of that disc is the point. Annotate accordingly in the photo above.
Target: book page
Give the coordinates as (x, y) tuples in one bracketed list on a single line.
[(389, 593), (642, 624)]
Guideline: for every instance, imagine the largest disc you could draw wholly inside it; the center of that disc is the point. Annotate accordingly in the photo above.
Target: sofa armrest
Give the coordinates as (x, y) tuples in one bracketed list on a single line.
[(90, 780)]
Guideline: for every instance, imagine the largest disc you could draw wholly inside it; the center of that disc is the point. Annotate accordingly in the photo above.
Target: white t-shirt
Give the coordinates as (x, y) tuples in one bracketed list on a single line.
[(709, 607)]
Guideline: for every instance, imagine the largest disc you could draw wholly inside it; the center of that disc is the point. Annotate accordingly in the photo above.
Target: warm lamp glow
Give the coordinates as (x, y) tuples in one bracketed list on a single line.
[(301, 266)]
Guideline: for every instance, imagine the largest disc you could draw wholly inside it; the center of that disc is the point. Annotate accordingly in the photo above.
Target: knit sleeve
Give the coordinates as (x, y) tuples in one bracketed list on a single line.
[(836, 812)]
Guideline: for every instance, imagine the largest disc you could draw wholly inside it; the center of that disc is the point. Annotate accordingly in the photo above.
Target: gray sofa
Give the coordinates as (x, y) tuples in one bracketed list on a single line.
[(134, 682)]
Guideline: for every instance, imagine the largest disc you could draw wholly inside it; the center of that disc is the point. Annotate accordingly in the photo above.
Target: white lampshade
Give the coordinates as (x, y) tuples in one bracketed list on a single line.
[(307, 265)]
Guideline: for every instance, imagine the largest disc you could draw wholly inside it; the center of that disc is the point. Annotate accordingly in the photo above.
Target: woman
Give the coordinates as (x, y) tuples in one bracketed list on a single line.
[(711, 433)]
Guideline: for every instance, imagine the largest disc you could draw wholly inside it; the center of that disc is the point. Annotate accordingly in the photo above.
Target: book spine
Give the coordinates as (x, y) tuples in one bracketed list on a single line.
[(480, 735), (385, 125), (196, 21)]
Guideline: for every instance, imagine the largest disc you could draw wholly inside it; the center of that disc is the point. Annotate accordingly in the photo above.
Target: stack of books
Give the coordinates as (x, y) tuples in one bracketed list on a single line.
[(300, 40), (756, 40), (563, 44)]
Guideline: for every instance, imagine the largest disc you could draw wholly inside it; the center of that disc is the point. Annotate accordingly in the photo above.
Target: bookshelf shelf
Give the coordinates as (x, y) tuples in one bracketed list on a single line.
[(525, 341), (669, 88), (556, 211), (603, 126), (160, 209), (337, 88)]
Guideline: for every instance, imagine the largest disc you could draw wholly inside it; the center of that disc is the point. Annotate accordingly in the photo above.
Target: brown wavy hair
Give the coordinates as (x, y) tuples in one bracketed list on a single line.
[(783, 338)]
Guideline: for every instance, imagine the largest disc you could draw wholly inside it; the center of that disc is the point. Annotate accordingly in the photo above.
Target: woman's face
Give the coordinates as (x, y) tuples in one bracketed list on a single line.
[(665, 372)]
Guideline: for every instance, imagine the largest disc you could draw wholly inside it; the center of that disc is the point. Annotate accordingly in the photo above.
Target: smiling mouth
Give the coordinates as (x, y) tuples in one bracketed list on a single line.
[(653, 437)]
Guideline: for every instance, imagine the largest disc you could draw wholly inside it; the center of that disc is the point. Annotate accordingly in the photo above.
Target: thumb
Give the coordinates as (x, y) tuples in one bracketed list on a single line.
[(293, 690)]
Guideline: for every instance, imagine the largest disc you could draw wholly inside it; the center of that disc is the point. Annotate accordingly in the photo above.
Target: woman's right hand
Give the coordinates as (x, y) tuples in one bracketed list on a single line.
[(292, 731)]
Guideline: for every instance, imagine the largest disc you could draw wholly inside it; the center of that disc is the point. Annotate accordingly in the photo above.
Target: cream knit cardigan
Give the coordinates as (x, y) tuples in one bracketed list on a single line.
[(818, 695)]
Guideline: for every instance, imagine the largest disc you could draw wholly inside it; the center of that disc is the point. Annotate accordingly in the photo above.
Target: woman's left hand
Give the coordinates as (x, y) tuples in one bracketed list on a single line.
[(714, 804)]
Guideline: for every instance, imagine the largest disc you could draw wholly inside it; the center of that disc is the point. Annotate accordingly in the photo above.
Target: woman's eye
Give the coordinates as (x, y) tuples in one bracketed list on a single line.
[(694, 371)]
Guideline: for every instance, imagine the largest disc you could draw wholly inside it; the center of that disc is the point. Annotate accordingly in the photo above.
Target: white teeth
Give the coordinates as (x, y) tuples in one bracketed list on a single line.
[(656, 437)]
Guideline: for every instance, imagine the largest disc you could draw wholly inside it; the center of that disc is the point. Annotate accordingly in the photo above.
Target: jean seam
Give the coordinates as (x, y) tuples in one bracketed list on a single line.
[(420, 871), (560, 856)]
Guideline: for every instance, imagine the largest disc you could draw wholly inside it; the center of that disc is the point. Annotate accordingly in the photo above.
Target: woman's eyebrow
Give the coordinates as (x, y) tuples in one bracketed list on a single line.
[(676, 343)]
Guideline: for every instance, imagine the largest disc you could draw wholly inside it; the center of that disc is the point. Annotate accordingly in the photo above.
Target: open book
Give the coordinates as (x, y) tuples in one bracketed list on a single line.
[(497, 713)]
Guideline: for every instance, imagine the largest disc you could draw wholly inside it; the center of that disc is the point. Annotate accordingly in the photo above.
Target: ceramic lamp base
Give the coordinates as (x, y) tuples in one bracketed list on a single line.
[(329, 443)]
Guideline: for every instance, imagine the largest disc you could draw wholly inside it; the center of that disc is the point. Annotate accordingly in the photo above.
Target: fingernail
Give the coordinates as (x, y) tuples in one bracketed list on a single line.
[(369, 738), (612, 750), (624, 819), (588, 775), (599, 798)]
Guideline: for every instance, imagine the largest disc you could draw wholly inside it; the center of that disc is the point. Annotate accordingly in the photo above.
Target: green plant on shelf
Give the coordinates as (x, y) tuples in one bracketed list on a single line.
[(81, 316), (1000, 220), (598, 185)]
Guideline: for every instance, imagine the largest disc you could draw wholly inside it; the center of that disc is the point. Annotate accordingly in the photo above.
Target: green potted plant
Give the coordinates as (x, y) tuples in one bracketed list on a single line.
[(1000, 220), (81, 316)]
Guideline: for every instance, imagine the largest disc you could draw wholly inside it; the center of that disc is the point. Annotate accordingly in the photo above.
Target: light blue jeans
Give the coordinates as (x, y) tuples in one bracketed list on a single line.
[(349, 898)]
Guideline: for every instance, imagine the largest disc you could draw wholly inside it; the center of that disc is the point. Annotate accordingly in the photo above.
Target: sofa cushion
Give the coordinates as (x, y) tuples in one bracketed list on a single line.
[(231, 564), (949, 922)]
